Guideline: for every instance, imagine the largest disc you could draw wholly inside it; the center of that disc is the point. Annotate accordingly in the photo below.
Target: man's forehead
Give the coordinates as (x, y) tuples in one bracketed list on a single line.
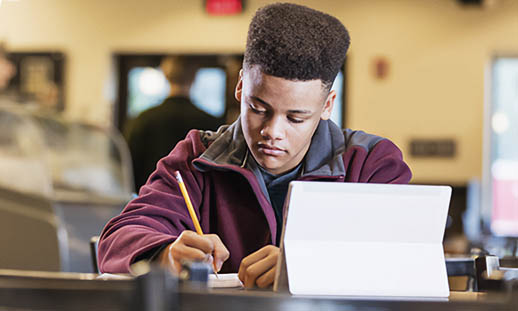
[(256, 75), (283, 95), (292, 107)]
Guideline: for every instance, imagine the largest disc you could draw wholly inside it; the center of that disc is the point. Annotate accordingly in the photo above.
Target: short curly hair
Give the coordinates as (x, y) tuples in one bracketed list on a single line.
[(295, 42)]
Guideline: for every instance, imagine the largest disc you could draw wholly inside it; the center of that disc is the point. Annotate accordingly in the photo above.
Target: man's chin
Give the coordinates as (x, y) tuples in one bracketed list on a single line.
[(270, 167)]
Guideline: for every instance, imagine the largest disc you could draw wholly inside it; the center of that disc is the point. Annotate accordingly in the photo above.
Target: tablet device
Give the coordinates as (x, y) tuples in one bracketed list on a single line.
[(360, 239)]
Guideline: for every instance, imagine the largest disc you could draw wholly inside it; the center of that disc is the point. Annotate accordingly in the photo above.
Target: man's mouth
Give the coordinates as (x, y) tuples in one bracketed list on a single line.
[(270, 150)]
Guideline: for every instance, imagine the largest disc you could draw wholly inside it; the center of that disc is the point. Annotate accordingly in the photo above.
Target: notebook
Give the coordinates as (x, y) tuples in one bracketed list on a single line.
[(224, 280), (364, 240)]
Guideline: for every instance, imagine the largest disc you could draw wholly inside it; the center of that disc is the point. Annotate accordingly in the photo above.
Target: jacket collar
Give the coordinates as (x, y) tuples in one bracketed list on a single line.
[(227, 146), (324, 157)]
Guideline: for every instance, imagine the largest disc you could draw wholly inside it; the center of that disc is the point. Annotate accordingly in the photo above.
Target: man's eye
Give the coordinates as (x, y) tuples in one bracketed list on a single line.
[(295, 120), (257, 110)]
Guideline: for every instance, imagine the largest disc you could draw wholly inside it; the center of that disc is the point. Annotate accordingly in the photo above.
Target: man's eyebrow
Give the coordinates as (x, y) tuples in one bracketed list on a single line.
[(300, 111), (296, 111), (261, 101)]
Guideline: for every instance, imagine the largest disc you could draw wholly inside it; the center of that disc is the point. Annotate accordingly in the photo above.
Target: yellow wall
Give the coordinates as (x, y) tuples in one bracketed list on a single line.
[(437, 51)]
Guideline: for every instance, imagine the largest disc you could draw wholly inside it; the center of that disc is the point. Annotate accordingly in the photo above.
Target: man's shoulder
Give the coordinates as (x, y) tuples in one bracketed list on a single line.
[(207, 137), (375, 159), (147, 118), (197, 141), (171, 106), (361, 139), (187, 149)]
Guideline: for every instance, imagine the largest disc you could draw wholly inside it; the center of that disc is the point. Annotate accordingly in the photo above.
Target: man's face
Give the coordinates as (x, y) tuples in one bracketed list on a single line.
[(7, 71), (279, 117)]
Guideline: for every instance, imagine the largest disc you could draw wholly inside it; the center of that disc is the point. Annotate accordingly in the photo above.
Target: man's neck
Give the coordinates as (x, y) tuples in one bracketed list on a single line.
[(179, 90), (273, 176)]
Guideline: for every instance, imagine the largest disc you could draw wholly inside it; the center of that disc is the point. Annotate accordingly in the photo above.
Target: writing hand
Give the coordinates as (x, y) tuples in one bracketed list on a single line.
[(194, 247)]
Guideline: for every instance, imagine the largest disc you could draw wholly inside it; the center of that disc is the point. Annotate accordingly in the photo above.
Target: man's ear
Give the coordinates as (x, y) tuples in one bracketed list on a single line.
[(328, 105), (239, 86)]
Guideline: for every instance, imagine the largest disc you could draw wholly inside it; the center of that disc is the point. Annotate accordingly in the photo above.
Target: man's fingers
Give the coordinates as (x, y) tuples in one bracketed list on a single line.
[(194, 247), (267, 278), (177, 252), (210, 245), (221, 253), (251, 259), (201, 242), (256, 256), (252, 273), (183, 252)]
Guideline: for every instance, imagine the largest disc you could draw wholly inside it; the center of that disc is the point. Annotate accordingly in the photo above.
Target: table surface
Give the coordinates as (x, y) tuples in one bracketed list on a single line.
[(40, 291)]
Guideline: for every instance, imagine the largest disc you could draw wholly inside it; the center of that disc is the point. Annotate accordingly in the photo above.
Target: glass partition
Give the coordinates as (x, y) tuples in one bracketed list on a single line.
[(46, 155)]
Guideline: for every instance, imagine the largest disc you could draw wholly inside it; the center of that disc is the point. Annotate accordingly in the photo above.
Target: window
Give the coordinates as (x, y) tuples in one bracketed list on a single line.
[(148, 87), (500, 189), (208, 91), (338, 86)]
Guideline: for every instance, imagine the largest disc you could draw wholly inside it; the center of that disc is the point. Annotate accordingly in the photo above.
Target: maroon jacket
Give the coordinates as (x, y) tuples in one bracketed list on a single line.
[(227, 195)]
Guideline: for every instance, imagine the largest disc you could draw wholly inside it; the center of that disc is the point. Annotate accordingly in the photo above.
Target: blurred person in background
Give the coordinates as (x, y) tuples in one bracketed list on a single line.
[(7, 69), (155, 132)]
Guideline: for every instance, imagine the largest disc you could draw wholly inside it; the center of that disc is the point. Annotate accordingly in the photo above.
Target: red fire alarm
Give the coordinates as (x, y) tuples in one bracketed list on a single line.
[(223, 7), (381, 68)]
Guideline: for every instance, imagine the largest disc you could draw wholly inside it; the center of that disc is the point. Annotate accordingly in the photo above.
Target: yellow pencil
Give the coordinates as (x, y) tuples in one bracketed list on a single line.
[(194, 218)]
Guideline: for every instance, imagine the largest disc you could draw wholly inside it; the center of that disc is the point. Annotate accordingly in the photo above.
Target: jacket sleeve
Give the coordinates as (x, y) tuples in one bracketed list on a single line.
[(158, 215), (381, 163)]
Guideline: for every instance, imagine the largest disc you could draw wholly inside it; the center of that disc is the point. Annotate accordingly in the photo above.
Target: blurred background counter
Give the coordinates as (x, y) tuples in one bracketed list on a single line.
[(61, 181)]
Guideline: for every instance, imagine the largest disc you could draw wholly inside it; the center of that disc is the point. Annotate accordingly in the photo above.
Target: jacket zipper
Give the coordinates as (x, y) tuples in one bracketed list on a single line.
[(259, 195)]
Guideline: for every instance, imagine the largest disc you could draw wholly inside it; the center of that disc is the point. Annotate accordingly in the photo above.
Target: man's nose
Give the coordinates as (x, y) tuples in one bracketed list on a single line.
[(273, 129)]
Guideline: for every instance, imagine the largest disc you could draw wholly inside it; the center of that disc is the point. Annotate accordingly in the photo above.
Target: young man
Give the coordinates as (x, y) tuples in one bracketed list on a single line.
[(238, 177)]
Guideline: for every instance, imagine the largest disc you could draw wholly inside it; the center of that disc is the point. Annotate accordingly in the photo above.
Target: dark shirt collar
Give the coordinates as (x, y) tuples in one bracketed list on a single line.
[(272, 179)]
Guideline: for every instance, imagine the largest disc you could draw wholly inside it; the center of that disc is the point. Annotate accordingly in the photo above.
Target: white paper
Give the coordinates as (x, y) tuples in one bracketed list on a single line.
[(111, 276), (224, 280)]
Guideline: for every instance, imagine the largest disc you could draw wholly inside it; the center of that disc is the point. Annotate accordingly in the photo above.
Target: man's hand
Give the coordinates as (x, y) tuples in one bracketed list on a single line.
[(194, 247), (259, 268)]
